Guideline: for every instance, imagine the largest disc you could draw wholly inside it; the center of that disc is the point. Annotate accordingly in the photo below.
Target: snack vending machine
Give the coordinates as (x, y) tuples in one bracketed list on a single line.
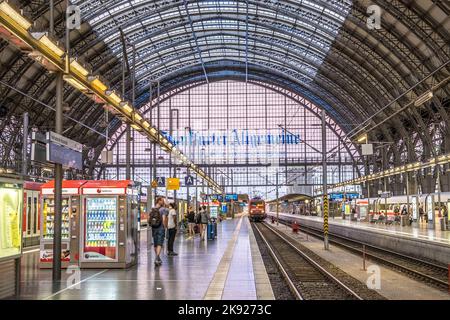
[(71, 194), (109, 224)]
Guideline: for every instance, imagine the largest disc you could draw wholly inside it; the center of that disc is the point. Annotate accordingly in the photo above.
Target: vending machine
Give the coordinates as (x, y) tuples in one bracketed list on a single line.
[(71, 197), (109, 224)]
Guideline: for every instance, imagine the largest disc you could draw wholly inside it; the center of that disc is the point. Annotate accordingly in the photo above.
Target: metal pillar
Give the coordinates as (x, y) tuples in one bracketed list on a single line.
[(56, 266), (133, 99), (278, 209), (127, 132), (324, 180), (58, 184), (407, 192), (25, 144)]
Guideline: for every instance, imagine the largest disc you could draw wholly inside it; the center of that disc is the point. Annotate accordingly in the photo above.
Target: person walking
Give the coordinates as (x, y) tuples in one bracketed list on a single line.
[(191, 222), (198, 222), (172, 229), (204, 219), (158, 222)]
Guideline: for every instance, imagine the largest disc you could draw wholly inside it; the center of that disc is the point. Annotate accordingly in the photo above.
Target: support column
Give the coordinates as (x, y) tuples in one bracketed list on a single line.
[(58, 184), (25, 144), (324, 180)]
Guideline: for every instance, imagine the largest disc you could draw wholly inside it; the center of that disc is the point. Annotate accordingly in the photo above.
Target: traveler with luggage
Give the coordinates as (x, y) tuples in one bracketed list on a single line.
[(204, 220), (158, 222), (191, 222), (172, 229)]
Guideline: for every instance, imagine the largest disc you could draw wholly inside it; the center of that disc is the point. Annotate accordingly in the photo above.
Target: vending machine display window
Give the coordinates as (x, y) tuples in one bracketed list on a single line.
[(11, 201), (48, 212), (100, 240)]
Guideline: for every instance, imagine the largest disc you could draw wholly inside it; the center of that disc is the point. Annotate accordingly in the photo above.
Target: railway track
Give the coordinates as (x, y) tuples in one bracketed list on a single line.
[(425, 271), (306, 278)]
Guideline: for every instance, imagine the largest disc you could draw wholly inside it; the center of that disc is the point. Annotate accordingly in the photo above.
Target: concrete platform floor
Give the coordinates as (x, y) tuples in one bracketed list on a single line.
[(394, 286), (219, 269), (420, 232)]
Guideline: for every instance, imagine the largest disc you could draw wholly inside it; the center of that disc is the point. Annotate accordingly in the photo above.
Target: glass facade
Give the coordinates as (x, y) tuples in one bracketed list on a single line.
[(244, 135)]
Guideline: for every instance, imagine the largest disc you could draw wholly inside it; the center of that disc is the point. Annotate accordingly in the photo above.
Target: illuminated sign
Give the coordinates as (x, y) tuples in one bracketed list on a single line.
[(173, 184), (340, 196), (231, 197)]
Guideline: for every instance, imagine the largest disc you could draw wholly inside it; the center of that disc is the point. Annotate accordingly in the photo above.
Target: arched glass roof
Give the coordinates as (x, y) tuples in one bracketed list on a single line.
[(291, 36)]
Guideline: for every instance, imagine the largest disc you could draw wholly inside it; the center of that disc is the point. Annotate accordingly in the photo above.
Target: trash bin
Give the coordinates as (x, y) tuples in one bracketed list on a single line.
[(442, 224)]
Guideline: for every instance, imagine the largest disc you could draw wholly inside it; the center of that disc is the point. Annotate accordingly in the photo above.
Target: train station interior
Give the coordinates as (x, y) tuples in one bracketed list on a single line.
[(224, 150)]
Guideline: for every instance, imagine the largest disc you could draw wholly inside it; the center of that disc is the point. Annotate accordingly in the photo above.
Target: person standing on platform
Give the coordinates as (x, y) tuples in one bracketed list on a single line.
[(204, 219), (198, 221), (158, 222), (172, 229), (191, 222)]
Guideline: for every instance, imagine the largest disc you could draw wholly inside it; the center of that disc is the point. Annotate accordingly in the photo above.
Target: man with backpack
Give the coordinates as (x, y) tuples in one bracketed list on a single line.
[(158, 222)]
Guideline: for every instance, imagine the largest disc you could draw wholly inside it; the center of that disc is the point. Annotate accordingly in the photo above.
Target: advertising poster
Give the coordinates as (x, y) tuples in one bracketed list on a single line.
[(47, 255)]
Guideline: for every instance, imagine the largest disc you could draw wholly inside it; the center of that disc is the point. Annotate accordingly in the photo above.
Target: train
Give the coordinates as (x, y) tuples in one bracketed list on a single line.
[(257, 209)]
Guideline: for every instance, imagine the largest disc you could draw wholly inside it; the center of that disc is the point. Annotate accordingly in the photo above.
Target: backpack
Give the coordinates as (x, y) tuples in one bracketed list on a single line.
[(198, 218), (155, 218)]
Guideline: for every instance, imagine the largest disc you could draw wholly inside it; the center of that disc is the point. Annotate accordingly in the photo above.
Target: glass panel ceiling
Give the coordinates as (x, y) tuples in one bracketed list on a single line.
[(170, 35)]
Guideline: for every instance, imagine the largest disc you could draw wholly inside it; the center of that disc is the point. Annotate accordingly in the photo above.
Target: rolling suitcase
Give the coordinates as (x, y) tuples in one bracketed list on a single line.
[(196, 229), (210, 231)]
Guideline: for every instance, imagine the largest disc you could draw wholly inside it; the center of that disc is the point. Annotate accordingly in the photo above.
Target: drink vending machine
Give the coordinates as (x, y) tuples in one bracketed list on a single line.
[(109, 224), (71, 196)]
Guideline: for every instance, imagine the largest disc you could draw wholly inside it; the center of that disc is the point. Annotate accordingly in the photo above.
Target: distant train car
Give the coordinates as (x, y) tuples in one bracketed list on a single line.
[(257, 209)]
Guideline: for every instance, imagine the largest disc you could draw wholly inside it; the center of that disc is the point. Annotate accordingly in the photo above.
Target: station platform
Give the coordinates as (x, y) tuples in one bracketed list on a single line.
[(393, 285), (229, 267), (420, 242)]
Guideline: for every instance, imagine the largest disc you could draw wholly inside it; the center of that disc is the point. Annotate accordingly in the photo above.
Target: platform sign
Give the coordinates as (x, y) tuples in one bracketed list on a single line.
[(230, 197), (154, 184), (64, 151), (189, 181), (161, 181), (430, 207), (415, 211), (173, 184)]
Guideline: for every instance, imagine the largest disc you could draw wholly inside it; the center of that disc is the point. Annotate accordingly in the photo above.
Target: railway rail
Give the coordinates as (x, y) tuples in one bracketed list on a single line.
[(306, 278), (419, 269)]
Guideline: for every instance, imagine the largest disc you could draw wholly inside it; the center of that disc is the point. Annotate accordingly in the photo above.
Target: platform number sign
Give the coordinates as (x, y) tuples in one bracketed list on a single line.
[(325, 214), (189, 180), (161, 182)]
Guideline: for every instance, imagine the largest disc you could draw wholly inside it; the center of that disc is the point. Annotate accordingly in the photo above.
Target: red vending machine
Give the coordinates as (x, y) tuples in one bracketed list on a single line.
[(70, 222), (109, 224)]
